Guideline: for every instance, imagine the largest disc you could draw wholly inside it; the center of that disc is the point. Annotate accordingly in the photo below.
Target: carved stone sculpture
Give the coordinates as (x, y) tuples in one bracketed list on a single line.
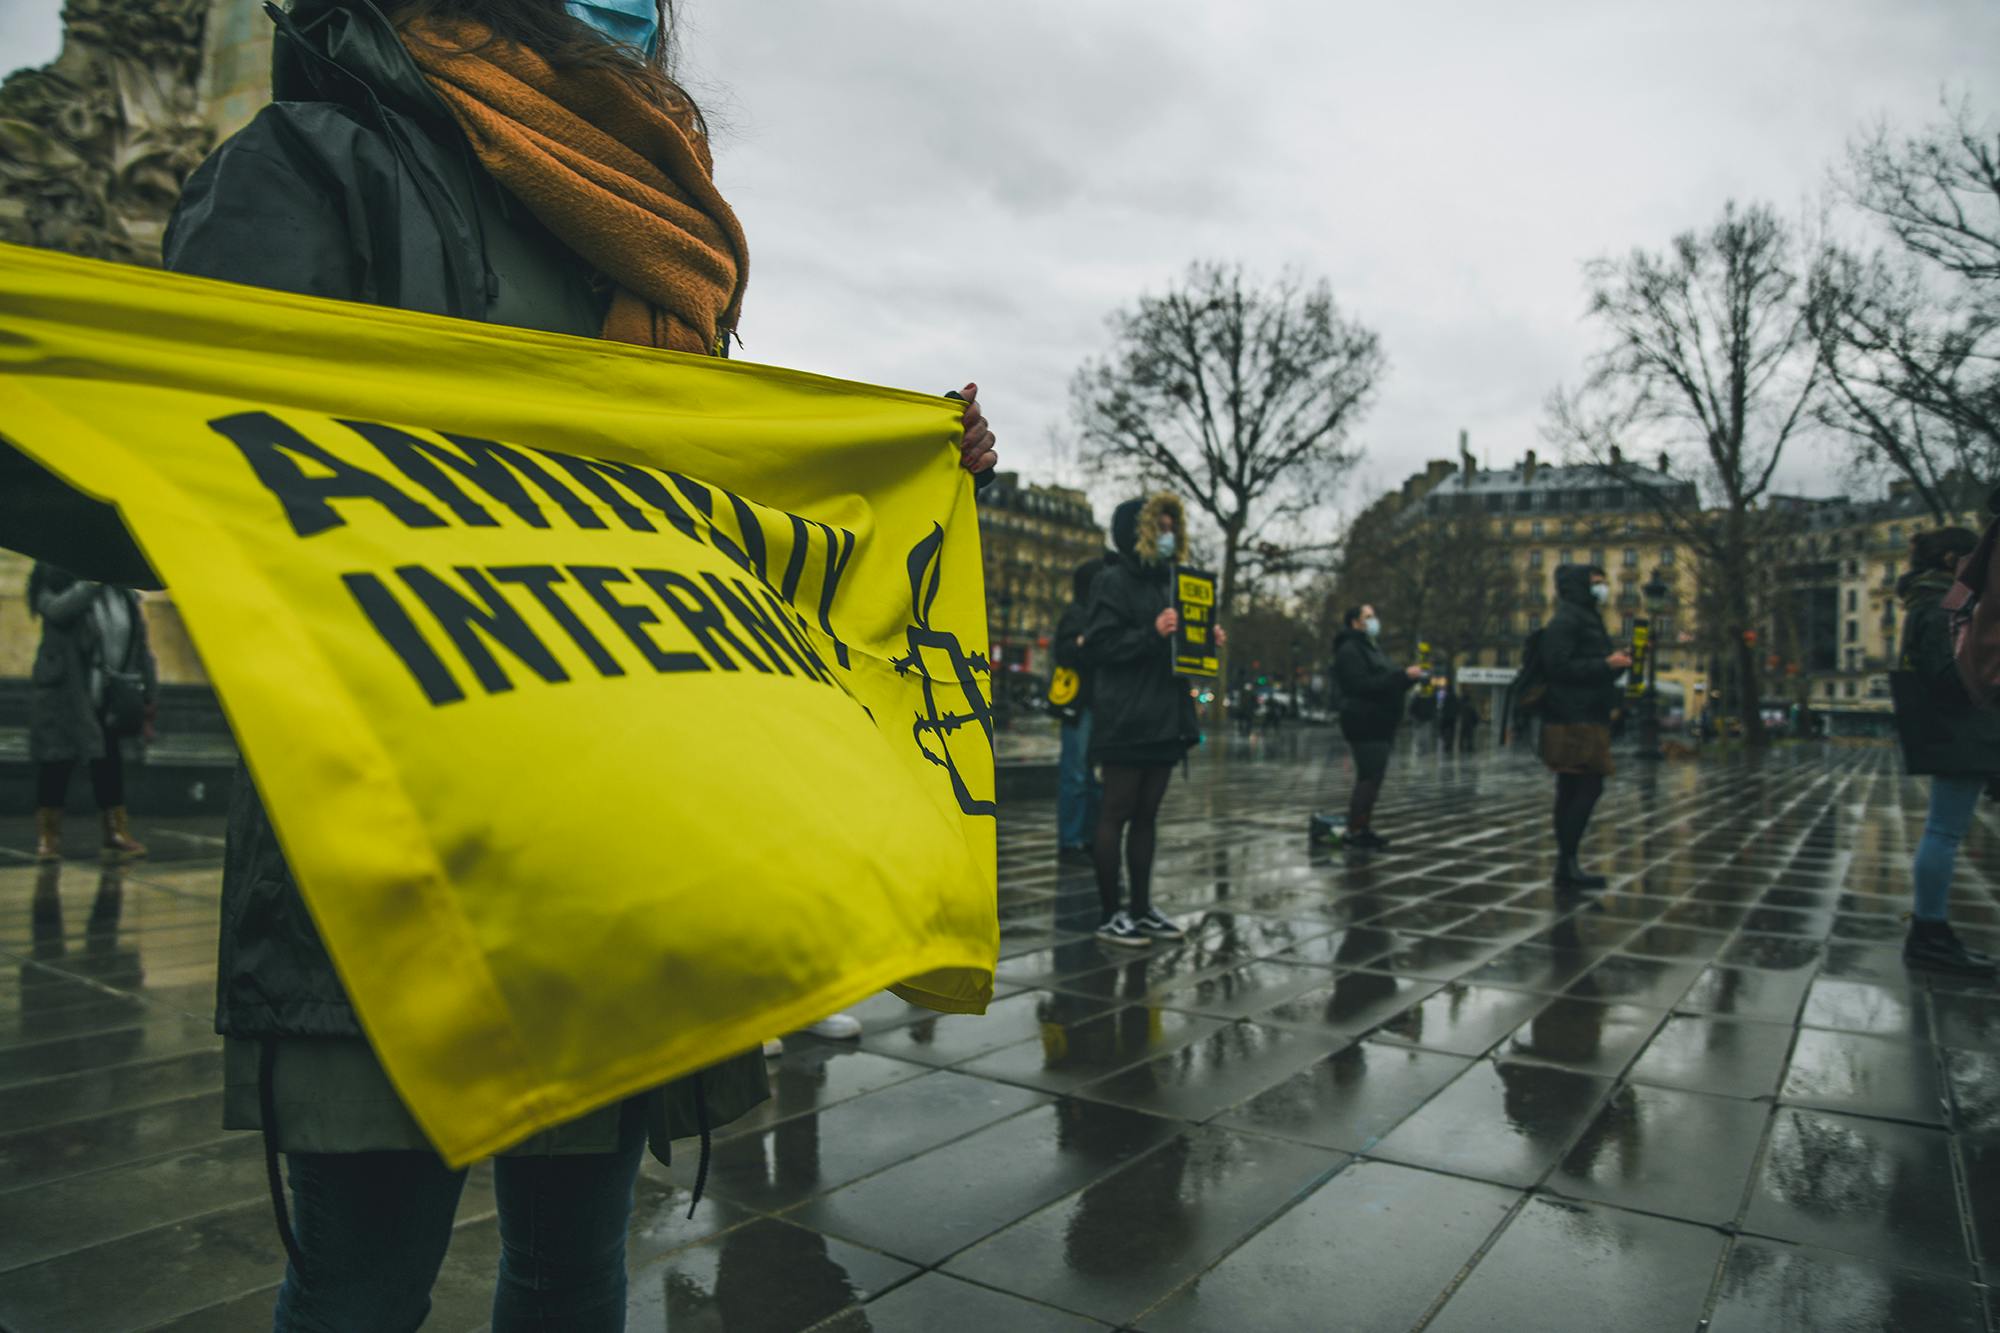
[(94, 147)]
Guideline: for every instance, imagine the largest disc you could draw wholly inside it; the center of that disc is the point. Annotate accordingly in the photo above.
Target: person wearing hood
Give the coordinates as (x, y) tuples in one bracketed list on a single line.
[(1371, 704), (1142, 716), (519, 162), (1080, 795), (1582, 667), (1945, 737)]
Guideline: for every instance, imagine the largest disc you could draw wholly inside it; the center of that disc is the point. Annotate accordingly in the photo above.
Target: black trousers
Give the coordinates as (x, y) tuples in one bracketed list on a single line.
[(107, 780), (1371, 765)]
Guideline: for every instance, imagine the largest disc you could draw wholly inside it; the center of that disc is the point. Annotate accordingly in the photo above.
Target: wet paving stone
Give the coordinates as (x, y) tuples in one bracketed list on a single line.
[(1768, 1286), (931, 1206), (1321, 1110), (1377, 1244), (936, 1301), (1073, 1052), (1658, 1150), (1503, 1122), (1245, 990), (815, 1153), (1866, 1187), (1584, 1035), (726, 1283), (1351, 1098), (1206, 1077), (1562, 1266), (1724, 1056), (1861, 1006), (1461, 1018), (1117, 1248), (1862, 1075)]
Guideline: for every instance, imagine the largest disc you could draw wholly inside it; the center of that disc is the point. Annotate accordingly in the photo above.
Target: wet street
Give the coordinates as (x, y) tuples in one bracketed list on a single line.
[(1421, 1089)]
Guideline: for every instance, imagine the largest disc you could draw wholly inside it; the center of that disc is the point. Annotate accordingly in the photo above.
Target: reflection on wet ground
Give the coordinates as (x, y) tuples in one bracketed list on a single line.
[(1418, 1090)]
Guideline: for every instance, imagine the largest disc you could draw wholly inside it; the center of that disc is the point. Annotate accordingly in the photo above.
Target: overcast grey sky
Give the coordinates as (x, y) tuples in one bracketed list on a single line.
[(935, 192)]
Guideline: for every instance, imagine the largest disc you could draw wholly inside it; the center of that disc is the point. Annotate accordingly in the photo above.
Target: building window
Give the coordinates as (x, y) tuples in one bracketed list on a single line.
[(1666, 556), (1565, 527), (1854, 631), (1565, 556), (1853, 599), (1631, 557), (1501, 657), (1535, 557), (1895, 534), (1854, 569), (1850, 689), (1626, 624), (1829, 689), (1535, 528)]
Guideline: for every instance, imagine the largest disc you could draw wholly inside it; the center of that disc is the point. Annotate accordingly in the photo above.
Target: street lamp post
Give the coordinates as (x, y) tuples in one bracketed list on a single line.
[(1655, 592)]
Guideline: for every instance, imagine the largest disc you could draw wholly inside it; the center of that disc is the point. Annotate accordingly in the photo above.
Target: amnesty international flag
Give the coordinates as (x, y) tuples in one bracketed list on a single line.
[(616, 709)]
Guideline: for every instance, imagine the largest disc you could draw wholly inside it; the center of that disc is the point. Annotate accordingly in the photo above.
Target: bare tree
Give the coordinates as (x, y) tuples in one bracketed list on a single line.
[(1911, 338), (1239, 397), (1709, 356)]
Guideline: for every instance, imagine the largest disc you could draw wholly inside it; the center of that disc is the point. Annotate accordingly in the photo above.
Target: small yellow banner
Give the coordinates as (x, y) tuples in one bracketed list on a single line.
[(616, 709)]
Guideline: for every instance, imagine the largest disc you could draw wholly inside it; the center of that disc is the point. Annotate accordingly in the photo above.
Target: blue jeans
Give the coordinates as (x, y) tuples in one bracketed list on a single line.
[(373, 1228), (1080, 793), (1952, 802)]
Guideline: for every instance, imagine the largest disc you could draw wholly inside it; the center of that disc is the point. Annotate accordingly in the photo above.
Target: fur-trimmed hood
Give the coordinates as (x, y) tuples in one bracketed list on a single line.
[(1135, 527)]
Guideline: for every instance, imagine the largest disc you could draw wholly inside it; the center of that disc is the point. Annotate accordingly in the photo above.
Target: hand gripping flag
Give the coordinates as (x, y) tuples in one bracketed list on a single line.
[(616, 709)]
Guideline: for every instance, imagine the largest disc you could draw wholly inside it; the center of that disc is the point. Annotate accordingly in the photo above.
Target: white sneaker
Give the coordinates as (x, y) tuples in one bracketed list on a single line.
[(1120, 931), (837, 1027), (1156, 925), (774, 1048)]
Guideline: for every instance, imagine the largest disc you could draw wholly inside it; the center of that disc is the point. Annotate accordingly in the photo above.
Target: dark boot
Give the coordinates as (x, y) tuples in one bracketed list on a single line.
[(1933, 945), (118, 839), (1367, 840), (1570, 875)]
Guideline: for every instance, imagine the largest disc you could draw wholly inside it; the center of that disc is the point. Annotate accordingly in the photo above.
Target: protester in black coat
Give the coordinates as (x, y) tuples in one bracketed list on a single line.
[(91, 632), (1582, 667), (1371, 690), (1943, 737), (1142, 717)]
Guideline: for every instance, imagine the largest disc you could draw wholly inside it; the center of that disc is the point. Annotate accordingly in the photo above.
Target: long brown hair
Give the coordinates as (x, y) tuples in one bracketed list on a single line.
[(548, 29)]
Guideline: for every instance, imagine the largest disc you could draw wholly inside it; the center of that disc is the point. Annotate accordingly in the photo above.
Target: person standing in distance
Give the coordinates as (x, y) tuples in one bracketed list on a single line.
[(1945, 737), (1142, 716), (1079, 793), (1583, 669), (1371, 704)]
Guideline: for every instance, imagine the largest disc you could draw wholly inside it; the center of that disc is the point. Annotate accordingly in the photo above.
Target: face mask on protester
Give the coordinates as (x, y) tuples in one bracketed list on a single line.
[(1167, 546), (1372, 627), (635, 23), (1600, 593)]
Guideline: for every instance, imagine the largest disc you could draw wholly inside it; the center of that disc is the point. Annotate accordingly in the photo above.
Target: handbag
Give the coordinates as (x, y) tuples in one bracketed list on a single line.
[(123, 705)]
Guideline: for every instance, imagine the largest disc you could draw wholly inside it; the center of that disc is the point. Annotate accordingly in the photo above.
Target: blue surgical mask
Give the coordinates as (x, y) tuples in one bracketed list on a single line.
[(1372, 627), (635, 23), (1167, 546), (1600, 593)]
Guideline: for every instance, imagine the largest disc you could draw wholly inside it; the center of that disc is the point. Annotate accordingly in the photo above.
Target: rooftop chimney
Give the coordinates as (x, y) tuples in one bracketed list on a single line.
[(1465, 455), (1528, 467), (1664, 469), (1617, 457)]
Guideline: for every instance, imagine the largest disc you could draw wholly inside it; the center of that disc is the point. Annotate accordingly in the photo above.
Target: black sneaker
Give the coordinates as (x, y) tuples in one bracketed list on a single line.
[(1934, 945), (1156, 926), (1368, 840), (1570, 875), (1121, 931)]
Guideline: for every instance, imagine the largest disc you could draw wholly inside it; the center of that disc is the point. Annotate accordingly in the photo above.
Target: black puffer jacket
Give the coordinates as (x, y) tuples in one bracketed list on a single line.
[(1582, 685), (65, 720), (356, 184), (1141, 713), (1940, 730), (1371, 688)]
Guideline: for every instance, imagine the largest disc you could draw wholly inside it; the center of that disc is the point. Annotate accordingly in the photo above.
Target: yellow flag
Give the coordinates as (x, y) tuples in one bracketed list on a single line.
[(616, 708)]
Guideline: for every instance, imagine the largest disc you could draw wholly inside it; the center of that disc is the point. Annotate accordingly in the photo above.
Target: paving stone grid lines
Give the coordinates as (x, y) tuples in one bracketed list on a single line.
[(1421, 1089)]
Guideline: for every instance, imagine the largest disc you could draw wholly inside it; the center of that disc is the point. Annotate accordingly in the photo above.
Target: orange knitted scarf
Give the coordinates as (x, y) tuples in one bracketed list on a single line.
[(625, 183)]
